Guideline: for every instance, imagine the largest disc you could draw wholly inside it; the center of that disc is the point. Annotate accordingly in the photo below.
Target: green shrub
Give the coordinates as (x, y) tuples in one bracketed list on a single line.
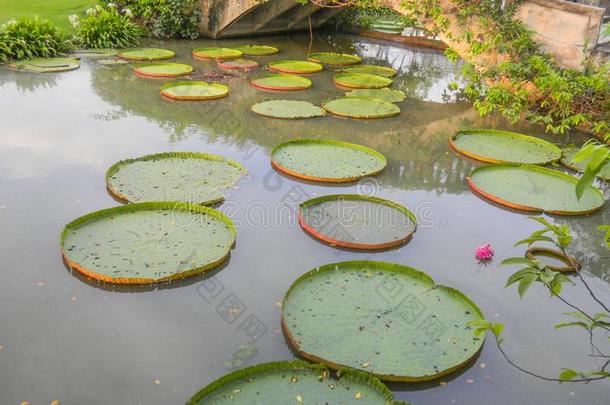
[(106, 27), (165, 18), (28, 38)]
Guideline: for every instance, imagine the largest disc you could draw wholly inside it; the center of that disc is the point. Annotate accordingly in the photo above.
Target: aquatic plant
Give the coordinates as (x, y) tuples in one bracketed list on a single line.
[(28, 38), (106, 27)]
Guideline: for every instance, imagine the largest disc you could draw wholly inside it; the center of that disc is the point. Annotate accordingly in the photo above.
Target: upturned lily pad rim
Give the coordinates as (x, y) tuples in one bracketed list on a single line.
[(167, 155), (271, 66), (231, 53), (270, 50), (169, 54), (411, 271), (527, 208), (145, 206), (306, 141), (140, 72), (534, 252), (166, 86), (362, 117), (358, 375), (352, 245), (338, 76), (281, 88), (354, 59), (322, 111), (495, 132)]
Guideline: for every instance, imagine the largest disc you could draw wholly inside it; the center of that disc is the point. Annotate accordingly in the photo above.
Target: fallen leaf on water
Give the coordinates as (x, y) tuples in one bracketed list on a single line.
[(157, 382), (74, 299), (483, 365), (470, 381), (56, 402), (41, 284), (299, 398)]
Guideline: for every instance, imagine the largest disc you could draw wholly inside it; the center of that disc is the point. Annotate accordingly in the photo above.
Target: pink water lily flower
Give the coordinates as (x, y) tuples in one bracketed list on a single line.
[(484, 252)]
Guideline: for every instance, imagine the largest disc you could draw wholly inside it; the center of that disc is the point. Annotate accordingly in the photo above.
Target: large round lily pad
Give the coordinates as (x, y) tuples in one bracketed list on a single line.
[(147, 242), (288, 109), (567, 159), (392, 96), (383, 71), (174, 176), (334, 58), (492, 146), (46, 65), (238, 64), (281, 81), (147, 54), (386, 319), (294, 382), (217, 53), (534, 189), (295, 66), (357, 221), (327, 160), (361, 81), (164, 70), (257, 50), (361, 107), (194, 91)]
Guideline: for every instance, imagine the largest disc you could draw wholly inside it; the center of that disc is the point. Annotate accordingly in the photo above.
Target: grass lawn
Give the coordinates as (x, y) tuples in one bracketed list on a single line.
[(57, 11)]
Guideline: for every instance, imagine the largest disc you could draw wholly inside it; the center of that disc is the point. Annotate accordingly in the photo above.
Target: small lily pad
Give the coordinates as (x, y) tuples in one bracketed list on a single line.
[(164, 70), (391, 96), (295, 66), (173, 176), (294, 382), (194, 91), (288, 109), (357, 221), (493, 146), (361, 81), (382, 71), (46, 65), (327, 160), (334, 58), (257, 50), (94, 53), (361, 107), (112, 62), (147, 54), (281, 81), (238, 64), (567, 159), (390, 320), (147, 242), (534, 189), (217, 53)]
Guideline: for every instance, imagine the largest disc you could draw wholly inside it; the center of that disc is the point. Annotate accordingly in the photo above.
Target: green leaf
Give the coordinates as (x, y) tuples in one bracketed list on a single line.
[(516, 260), (520, 275), (525, 284), (567, 374), (569, 324)]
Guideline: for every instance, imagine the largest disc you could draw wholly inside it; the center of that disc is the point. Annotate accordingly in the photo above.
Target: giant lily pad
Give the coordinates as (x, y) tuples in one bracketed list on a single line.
[(334, 58), (147, 242), (147, 54), (293, 382), (371, 70), (295, 66), (194, 91), (257, 50), (281, 81), (326, 160), (361, 107), (94, 53), (492, 146), (567, 159), (238, 64), (173, 176), (164, 70), (357, 221), (534, 189), (288, 109), (217, 53), (361, 80), (392, 96), (389, 320), (46, 65)]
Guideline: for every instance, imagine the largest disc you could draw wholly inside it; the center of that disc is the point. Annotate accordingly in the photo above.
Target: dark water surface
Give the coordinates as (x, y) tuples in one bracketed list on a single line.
[(80, 342)]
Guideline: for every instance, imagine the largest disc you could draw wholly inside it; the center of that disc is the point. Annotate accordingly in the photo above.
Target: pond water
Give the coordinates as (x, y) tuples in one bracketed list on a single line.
[(66, 338)]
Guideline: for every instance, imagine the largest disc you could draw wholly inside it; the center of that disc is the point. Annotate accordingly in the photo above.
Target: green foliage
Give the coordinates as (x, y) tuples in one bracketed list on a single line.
[(481, 326), (28, 38), (597, 156), (585, 322), (560, 235), (165, 18), (106, 27)]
